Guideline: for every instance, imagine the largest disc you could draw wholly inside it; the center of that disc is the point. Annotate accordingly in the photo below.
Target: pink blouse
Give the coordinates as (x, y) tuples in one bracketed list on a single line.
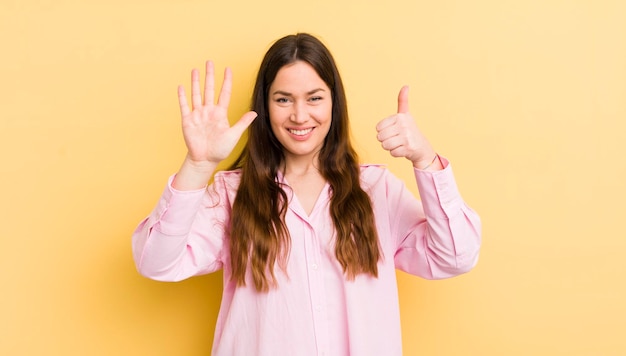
[(315, 310)]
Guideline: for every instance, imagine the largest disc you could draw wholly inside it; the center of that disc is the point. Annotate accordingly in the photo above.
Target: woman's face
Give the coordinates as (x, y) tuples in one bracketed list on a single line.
[(300, 108)]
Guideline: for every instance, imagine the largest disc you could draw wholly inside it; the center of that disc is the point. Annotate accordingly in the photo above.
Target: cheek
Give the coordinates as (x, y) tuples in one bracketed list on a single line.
[(325, 113), (274, 126), (277, 113), (275, 120), (273, 114)]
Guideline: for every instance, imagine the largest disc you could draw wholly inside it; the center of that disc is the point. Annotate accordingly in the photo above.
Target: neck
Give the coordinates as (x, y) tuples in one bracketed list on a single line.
[(301, 165)]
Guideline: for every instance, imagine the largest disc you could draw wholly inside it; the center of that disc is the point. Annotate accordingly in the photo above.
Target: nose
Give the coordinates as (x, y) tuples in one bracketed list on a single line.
[(299, 114)]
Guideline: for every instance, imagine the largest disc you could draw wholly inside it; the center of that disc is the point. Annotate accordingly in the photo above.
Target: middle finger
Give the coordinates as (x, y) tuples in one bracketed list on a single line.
[(209, 84)]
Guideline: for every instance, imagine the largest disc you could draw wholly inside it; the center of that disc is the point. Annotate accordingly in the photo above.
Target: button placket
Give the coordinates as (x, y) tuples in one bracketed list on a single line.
[(318, 288)]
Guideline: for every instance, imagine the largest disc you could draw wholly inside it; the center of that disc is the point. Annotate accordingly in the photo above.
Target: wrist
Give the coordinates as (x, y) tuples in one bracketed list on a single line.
[(193, 175), (429, 164), (199, 167)]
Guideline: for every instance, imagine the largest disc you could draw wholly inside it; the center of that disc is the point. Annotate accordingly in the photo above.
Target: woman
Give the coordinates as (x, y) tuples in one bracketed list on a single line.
[(308, 239)]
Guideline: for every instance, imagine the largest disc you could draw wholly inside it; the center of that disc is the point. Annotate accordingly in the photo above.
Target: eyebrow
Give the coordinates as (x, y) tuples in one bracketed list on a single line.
[(280, 92)]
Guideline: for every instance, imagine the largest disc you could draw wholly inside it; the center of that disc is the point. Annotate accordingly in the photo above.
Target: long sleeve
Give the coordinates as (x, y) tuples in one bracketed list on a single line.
[(439, 237), (184, 235)]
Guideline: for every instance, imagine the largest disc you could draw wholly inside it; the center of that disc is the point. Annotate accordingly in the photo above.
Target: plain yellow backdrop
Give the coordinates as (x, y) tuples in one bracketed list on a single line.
[(526, 98)]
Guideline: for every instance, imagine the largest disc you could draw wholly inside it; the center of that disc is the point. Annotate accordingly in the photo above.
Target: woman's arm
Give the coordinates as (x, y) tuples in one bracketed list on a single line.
[(183, 235), (439, 236)]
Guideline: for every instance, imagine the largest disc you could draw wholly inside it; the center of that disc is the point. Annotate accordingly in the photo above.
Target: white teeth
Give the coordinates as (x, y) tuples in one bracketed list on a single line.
[(300, 132)]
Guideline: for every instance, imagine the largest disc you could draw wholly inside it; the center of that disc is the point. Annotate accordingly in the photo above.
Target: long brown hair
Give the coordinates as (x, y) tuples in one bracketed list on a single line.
[(258, 234)]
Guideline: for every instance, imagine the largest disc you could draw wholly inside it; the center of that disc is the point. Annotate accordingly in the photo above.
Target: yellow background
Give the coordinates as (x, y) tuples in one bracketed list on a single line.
[(526, 98)]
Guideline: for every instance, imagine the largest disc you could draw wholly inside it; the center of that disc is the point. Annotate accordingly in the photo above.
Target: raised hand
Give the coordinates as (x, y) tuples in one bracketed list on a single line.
[(208, 135), (399, 135)]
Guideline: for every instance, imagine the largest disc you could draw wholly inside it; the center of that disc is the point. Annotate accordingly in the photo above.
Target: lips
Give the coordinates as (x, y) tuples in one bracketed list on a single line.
[(302, 132)]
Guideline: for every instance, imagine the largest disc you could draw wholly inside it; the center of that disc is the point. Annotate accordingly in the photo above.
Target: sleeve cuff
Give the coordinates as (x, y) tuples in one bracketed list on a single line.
[(438, 191), (178, 209)]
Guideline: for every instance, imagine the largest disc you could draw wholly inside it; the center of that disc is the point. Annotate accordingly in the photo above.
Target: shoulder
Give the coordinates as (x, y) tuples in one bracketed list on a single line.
[(373, 174), (227, 179), (234, 174), (372, 167), (370, 170), (223, 187), (378, 176)]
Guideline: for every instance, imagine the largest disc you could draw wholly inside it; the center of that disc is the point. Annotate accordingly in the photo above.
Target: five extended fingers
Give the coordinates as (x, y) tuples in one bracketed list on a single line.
[(201, 101), (198, 100)]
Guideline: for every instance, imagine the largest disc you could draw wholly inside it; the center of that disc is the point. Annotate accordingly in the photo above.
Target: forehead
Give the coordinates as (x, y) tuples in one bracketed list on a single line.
[(298, 75)]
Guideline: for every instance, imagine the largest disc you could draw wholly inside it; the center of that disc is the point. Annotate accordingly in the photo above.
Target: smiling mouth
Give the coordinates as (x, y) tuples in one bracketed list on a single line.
[(300, 132)]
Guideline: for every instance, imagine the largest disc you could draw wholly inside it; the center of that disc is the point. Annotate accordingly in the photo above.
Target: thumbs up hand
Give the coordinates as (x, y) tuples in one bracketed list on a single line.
[(400, 135)]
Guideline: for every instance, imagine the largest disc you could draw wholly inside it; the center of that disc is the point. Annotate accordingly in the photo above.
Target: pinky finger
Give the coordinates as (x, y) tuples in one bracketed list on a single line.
[(182, 101), (398, 152)]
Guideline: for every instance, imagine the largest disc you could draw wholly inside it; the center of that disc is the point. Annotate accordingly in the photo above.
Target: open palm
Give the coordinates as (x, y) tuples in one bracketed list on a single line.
[(208, 135)]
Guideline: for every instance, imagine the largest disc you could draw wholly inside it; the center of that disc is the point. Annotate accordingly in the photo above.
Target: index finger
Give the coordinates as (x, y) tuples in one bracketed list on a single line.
[(227, 86), (403, 100), (384, 123)]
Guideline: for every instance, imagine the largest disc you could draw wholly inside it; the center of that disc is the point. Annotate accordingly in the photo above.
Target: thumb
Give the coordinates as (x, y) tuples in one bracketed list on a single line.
[(403, 100), (245, 121)]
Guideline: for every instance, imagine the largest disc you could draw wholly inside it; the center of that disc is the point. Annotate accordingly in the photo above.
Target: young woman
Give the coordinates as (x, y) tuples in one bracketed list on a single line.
[(308, 239)]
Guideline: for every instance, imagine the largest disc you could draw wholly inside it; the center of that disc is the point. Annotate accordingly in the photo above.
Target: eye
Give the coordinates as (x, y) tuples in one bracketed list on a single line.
[(316, 98), (282, 100)]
